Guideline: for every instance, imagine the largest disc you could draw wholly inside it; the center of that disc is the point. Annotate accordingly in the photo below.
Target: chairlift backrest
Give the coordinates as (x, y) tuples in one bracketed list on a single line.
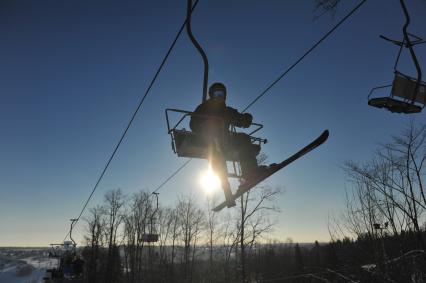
[(405, 87), (190, 145), (187, 144)]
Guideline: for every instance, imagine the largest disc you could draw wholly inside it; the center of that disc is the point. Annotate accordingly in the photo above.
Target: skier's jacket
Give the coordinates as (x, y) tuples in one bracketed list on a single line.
[(214, 116)]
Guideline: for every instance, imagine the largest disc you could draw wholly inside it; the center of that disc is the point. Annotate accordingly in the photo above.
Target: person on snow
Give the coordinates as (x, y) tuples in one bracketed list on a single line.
[(211, 121)]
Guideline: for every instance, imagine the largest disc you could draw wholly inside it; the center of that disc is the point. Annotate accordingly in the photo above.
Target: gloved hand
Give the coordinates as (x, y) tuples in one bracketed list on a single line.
[(246, 120)]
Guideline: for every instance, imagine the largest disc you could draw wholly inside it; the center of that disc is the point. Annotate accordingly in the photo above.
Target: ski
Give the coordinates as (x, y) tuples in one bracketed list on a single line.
[(243, 188)]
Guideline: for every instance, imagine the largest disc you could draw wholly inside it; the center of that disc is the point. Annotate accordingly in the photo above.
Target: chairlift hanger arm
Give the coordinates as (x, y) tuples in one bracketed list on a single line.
[(396, 42), (72, 226), (409, 45), (156, 208), (414, 42), (199, 48), (417, 40)]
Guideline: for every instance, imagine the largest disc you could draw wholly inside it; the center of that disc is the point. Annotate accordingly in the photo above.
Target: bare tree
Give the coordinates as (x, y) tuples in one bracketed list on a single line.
[(191, 223), (114, 201), (322, 7), (390, 187), (95, 230), (253, 220), (165, 221), (175, 235), (212, 235), (228, 238), (139, 222)]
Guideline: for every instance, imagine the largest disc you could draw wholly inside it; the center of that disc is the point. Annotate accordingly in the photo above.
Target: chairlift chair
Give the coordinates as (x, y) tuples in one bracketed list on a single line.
[(66, 255), (185, 143), (408, 94), (59, 251), (152, 236)]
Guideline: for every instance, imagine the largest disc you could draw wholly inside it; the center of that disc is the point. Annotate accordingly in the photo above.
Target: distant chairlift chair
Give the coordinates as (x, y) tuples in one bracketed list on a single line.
[(408, 94), (152, 236)]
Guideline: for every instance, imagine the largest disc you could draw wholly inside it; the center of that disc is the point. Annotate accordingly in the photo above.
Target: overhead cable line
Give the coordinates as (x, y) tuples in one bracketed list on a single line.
[(171, 176), (305, 54), (134, 115)]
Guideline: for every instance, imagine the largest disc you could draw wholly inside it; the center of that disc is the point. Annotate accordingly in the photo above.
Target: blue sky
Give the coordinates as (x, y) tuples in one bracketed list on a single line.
[(72, 73)]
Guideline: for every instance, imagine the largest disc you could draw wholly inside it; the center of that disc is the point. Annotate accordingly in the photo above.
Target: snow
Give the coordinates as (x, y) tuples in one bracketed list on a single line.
[(33, 269)]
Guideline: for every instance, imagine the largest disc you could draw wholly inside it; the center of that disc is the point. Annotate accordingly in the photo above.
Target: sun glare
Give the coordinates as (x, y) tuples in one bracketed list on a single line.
[(210, 181)]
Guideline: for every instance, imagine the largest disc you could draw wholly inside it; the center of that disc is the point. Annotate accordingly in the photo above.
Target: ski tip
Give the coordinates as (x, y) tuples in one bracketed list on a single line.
[(224, 204), (218, 208), (324, 135)]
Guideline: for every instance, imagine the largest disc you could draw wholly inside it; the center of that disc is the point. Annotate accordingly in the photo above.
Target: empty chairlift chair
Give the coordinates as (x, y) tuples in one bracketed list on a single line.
[(408, 94), (152, 236)]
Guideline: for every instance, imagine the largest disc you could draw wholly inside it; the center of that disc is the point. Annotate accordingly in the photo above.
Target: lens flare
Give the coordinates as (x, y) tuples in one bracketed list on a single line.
[(210, 181)]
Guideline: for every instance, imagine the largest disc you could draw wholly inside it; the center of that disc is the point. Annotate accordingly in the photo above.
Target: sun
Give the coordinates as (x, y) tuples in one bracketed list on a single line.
[(210, 181)]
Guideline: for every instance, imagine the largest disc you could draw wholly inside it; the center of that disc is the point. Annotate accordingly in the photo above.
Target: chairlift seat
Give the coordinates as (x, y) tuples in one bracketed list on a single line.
[(394, 105), (150, 238), (188, 144), (409, 100)]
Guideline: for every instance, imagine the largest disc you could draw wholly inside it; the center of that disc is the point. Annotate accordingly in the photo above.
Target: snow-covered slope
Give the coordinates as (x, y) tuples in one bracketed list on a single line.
[(25, 270)]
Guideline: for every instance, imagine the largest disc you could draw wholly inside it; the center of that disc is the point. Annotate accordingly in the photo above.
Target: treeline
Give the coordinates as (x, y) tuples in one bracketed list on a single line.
[(380, 237), (361, 260), (194, 244), (386, 204), (366, 259), (198, 246)]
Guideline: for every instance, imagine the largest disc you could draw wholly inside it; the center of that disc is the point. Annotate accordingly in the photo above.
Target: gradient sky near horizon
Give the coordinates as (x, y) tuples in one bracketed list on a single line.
[(72, 73)]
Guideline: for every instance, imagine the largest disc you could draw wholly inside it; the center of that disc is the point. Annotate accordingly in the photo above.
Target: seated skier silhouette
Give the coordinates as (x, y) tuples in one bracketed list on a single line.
[(211, 121)]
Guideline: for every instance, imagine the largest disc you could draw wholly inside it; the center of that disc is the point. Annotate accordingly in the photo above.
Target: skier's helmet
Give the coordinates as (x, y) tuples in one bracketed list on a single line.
[(217, 90)]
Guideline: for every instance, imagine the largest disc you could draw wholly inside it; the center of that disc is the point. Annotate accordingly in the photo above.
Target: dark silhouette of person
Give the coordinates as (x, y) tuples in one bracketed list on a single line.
[(78, 265), (211, 121), (66, 264)]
